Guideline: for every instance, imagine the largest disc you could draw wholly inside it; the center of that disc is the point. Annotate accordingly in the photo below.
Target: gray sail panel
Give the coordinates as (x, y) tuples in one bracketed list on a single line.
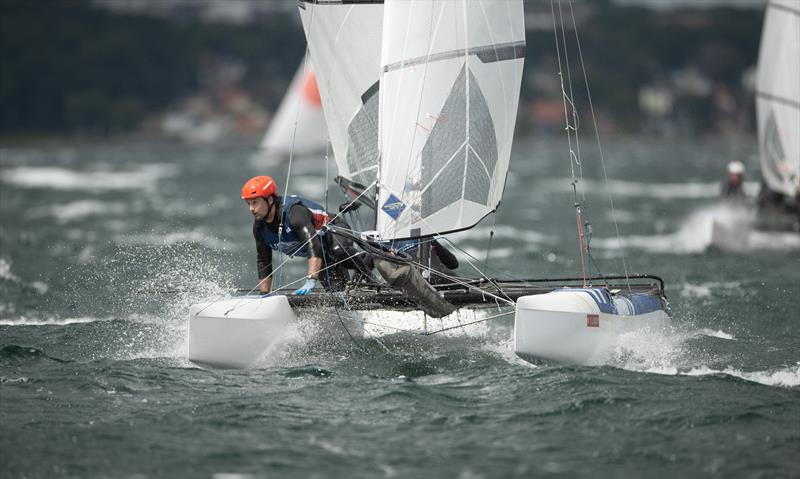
[(450, 170), (446, 188), (774, 152), (362, 147), (476, 185), (483, 141)]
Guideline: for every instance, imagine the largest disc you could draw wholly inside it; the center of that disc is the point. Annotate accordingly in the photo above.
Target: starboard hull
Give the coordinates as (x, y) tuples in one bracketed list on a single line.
[(570, 327)]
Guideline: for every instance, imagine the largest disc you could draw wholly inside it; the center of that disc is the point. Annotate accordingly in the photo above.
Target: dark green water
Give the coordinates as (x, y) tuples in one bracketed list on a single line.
[(97, 239)]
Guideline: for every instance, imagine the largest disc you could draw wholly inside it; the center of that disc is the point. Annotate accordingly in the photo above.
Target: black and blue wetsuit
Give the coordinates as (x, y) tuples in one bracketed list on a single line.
[(302, 219)]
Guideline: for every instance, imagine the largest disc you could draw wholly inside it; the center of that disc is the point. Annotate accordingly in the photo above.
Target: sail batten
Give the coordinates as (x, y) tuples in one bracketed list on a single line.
[(450, 79), (486, 54)]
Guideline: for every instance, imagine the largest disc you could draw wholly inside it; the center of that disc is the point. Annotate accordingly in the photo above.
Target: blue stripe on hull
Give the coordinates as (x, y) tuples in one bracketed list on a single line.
[(633, 304)]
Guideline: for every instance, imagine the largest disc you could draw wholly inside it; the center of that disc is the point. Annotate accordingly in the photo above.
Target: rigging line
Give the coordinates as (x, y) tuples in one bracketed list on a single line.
[(347, 305), (462, 325), (414, 131), (467, 116), (576, 204), (465, 253), (575, 116), (424, 220), (352, 338), (341, 321), (564, 98), (327, 168), (238, 303), (317, 233), (294, 136), (600, 150), (280, 266), (325, 269), (491, 236), (458, 281), (467, 285)]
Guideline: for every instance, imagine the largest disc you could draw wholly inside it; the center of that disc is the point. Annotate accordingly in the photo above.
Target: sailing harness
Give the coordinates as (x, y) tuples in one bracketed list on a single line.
[(285, 240)]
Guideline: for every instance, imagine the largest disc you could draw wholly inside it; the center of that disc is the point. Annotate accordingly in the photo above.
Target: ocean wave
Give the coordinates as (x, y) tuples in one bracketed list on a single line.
[(696, 234), (30, 177), (504, 232), (5, 271), (716, 334), (704, 290), (788, 377), (6, 274), (77, 210), (25, 321), (662, 191), (12, 353), (176, 237)]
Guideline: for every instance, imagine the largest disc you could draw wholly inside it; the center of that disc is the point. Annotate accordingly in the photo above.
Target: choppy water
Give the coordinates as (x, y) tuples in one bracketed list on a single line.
[(103, 247)]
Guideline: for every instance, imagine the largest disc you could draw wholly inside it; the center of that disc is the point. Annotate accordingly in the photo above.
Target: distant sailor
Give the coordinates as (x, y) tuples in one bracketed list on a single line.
[(733, 187), (298, 221)]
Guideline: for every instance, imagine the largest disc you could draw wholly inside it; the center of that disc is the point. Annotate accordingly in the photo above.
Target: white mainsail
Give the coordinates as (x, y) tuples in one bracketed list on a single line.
[(778, 97), (344, 41), (450, 82), (301, 105)]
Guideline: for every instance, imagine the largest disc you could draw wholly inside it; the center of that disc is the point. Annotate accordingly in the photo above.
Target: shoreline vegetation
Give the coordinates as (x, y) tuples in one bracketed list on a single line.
[(77, 70)]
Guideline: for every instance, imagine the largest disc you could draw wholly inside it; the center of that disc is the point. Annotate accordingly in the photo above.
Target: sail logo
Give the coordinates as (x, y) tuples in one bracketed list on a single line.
[(393, 207)]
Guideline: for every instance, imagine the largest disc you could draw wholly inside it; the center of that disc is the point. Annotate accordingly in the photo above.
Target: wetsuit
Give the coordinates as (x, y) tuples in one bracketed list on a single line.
[(731, 190), (301, 220)]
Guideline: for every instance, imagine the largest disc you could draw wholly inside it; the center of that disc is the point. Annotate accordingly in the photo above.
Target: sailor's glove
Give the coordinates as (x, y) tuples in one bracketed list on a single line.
[(310, 284)]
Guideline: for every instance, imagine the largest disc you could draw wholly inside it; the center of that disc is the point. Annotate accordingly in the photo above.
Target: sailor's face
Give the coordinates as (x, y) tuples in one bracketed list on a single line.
[(258, 207)]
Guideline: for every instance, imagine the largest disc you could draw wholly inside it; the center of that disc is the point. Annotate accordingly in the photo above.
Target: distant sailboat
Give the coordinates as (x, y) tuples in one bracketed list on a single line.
[(778, 114), (301, 105)]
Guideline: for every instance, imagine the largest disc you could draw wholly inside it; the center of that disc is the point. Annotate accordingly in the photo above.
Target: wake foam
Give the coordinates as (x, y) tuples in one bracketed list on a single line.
[(787, 377), (25, 321), (671, 353), (734, 224)]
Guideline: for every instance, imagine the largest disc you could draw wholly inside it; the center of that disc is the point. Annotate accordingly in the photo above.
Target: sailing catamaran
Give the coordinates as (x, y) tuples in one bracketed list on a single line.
[(298, 126), (420, 99), (778, 115)]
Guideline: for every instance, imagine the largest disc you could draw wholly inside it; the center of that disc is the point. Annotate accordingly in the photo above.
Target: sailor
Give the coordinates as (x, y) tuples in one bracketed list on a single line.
[(292, 226), (733, 187)]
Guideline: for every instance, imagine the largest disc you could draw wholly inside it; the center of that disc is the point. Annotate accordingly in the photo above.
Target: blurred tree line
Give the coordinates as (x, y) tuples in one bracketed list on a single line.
[(67, 66)]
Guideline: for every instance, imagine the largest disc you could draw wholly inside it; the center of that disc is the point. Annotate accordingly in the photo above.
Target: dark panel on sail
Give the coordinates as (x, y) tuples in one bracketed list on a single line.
[(362, 133), (448, 140), (483, 141), (773, 147)]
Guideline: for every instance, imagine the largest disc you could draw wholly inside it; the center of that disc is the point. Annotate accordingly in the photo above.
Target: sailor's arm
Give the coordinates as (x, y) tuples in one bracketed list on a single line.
[(302, 223), (264, 255), (265, 285)]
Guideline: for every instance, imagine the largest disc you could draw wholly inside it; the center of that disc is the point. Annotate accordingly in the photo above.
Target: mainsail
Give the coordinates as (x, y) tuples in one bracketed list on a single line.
[(344, 41), (778, 97), (301, 105), (450, 82)]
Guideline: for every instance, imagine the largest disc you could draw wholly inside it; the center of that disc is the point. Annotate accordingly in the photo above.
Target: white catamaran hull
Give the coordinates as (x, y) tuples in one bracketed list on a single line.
[(569, 327), (236, 332)]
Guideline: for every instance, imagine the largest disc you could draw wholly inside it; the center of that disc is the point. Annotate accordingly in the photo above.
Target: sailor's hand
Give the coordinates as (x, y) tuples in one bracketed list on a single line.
[(307, 287)]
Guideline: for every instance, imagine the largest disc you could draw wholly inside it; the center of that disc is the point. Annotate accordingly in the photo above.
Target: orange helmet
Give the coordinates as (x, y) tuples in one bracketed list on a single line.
[(256, 186)]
